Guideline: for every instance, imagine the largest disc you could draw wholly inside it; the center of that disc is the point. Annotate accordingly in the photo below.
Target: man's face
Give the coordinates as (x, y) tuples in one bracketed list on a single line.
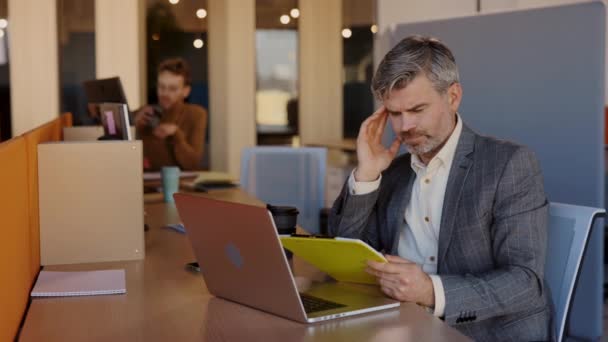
[(171, 89), (423, 117)]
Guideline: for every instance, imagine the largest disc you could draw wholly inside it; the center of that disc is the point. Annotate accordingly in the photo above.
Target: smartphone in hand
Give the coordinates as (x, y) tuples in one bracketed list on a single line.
[(156, 115), (193, 267)]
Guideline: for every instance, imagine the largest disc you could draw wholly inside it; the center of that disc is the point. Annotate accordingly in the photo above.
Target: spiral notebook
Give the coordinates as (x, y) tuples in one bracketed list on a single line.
[(87, 283)]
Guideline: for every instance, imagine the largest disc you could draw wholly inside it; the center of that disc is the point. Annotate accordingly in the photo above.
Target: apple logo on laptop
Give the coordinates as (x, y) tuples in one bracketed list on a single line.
[(233, 254)]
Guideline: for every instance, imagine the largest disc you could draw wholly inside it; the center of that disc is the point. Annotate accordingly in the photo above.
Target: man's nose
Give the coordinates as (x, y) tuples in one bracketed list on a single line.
[(407, 122)]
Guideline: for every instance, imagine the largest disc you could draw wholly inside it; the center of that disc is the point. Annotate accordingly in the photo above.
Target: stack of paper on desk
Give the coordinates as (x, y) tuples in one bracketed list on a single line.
[(88, 283), (214, 177), (212, 180)]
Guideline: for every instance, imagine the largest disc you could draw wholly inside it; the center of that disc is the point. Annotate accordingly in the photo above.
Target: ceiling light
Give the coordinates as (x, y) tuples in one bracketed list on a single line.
[(295, 13), (173, 2), (201, 13), (374, 28), (3, 23), (347, 33), (285, 19), (198, 43)]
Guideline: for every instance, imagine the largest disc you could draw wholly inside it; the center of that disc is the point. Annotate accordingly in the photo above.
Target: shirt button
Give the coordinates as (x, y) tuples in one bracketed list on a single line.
[(427, 181), (432, 259), (427, 219)]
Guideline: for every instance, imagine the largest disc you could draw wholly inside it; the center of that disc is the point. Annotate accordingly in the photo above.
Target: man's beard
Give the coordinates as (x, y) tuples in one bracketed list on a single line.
[(421, 149)]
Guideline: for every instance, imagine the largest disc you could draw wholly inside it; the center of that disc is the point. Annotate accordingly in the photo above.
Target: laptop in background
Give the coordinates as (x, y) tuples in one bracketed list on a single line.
[(105, 90), (242, 260), (115, 121)]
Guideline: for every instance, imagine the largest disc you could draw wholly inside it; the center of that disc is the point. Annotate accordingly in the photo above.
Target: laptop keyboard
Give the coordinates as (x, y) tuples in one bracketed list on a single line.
[(314, 304)]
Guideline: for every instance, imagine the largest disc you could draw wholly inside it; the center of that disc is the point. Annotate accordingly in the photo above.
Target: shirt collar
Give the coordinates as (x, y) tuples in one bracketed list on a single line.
[(446, 154)]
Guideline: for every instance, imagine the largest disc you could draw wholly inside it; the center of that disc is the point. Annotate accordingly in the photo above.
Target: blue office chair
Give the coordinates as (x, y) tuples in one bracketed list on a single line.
[(568, 233), (287, 176)]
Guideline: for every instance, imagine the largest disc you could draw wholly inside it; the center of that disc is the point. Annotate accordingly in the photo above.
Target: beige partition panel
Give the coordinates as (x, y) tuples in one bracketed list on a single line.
[(91, 202)]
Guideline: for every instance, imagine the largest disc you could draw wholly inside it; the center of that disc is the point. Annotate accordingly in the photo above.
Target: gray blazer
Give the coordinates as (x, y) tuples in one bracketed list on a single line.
[(492, 239)]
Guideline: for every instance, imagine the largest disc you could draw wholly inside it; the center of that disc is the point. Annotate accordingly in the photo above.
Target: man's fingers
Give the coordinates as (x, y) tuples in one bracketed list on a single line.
[(397, 260), (388, 283), (379, 129), (385, 267), (394, 148), (388, 291), (373, 272), (365, 129), (380, 110)]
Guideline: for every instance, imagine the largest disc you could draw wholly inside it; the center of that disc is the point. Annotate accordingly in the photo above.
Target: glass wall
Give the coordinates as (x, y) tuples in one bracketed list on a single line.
[(359, 26), (277, 71), (5, 85), (76, 21), (178, 29)]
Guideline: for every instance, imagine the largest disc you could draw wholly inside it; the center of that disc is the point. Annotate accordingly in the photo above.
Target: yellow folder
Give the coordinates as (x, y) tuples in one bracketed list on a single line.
[(342, 258)]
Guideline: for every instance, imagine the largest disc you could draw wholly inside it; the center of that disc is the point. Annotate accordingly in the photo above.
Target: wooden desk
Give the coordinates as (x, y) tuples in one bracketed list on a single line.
[(346, 145), (166, 303)]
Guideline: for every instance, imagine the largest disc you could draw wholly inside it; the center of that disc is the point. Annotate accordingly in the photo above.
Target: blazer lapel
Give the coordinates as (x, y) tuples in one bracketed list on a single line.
[(402, 195), (453, 191)]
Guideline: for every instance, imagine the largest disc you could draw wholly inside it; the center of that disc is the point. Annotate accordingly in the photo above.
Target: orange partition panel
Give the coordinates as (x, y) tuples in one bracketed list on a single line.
[(15, 278), (66, 121), (50, 131)]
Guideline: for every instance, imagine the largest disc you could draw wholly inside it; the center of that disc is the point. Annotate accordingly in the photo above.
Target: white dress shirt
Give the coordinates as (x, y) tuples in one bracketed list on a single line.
[(418, 241)]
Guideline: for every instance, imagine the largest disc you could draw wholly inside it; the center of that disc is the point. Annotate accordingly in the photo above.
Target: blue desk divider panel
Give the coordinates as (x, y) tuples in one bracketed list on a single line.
[(287, 176), (537, 77)]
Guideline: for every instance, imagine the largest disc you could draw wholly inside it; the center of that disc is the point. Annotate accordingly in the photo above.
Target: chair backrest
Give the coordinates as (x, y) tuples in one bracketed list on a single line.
[(568, 233), (287, 176)]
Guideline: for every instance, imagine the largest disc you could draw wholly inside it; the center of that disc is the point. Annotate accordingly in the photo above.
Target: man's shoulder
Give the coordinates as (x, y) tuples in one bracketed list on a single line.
[(486, 142), (195, 111), (497, 149)]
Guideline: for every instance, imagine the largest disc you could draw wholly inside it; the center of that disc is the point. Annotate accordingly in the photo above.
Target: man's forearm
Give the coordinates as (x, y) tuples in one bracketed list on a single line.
[(495, 293)]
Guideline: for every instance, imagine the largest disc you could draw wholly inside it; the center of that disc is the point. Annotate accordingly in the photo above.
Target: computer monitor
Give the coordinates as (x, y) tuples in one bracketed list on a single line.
[(105, 90)]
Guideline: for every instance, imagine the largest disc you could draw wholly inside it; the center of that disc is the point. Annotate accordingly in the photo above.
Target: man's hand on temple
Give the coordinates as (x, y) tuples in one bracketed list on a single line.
[(373, 157), (403, 280)]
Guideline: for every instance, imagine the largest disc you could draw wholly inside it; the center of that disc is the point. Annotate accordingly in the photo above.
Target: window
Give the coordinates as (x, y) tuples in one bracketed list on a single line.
[(178, 29), (358, 44), (76, 21)]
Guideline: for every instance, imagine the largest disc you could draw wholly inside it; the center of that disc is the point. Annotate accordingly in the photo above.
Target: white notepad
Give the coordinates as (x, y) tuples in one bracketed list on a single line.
[(87, 283)]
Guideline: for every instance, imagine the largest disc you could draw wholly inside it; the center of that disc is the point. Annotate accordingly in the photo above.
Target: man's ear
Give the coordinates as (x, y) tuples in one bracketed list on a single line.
[(186, 91), (454, 96)]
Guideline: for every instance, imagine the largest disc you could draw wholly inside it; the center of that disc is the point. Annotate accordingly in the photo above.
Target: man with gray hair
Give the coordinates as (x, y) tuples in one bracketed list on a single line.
[(462, 217)]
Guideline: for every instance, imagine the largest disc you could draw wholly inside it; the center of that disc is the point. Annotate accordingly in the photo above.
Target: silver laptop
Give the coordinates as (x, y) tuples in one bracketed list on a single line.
[(242, 260)]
